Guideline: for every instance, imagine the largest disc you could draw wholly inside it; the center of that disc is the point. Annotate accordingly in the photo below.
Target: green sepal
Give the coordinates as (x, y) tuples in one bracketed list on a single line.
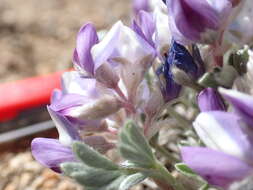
[(134, 146), (184, 169), (204, 187), (91, 157), (239, 60), (208, 80)]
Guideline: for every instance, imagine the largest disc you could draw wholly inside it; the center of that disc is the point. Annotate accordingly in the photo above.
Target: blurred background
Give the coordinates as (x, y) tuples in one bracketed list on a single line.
[(37, 38)]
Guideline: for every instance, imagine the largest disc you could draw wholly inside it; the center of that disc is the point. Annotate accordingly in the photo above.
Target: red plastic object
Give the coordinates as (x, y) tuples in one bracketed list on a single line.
[(26, 94)]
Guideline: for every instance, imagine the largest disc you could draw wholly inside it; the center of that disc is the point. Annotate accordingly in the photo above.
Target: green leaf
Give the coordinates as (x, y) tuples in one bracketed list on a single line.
[(88, 176), (184, 169), (70, 167), (114, 185), (134, 146), (92, 158), (204, 187), (95, 177), (131, 180)]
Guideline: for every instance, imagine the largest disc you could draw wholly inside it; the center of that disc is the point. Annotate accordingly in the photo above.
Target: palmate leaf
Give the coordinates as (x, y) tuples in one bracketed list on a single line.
[(96, 172)]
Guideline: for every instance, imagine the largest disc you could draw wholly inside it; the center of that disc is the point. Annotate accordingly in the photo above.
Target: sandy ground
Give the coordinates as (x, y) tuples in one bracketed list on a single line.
[(38, 37)]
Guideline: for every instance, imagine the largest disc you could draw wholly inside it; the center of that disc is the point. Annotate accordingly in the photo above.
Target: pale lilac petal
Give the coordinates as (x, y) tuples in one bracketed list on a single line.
[(67, 132), (162, 36), (51, 153), (147, 25), (210, 100), (74, 83), (241, 27), (123, 43), (217, 168), (242, 103), (86, 39), (138, 30), (222, 131), (139, 5), (99, 143), (56, 96), (68, 101), (103, 50)]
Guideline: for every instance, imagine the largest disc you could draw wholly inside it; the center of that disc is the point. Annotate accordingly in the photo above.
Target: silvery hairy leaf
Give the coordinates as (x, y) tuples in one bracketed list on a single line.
[(92, 158), (114, 185), (96, 172), (134, 147), (89, 176), (131, 180)]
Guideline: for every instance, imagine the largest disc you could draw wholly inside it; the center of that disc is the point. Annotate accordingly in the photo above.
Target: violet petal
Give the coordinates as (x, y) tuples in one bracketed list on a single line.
[(139, 5), (74, 83), (222, 131), (51, 153), (86, 39), (192, 17), (67, 132), (210, 100), (217, 168), (242, 103), (147, 25)]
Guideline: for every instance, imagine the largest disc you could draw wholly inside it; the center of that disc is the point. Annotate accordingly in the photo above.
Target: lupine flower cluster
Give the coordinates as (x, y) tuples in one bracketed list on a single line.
[(182, 65)]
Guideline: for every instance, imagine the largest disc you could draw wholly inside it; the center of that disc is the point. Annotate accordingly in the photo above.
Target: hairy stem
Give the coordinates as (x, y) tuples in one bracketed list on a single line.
[(168, 178)]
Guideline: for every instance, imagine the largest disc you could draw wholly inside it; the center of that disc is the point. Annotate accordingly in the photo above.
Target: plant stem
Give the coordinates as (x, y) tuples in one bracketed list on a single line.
[(178, 117), (170, 180), (163, 151)]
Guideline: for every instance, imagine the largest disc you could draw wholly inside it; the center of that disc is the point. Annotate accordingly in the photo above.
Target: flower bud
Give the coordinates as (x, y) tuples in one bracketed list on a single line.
[(96, 109), (179, 61), (107, 76), (183, 79)]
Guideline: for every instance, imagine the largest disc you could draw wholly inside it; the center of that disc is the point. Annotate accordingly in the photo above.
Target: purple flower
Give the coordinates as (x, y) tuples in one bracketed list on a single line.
[(125, 52), (52, 152), (82, 100), (197, 20), (229, 156), (210, 100)]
